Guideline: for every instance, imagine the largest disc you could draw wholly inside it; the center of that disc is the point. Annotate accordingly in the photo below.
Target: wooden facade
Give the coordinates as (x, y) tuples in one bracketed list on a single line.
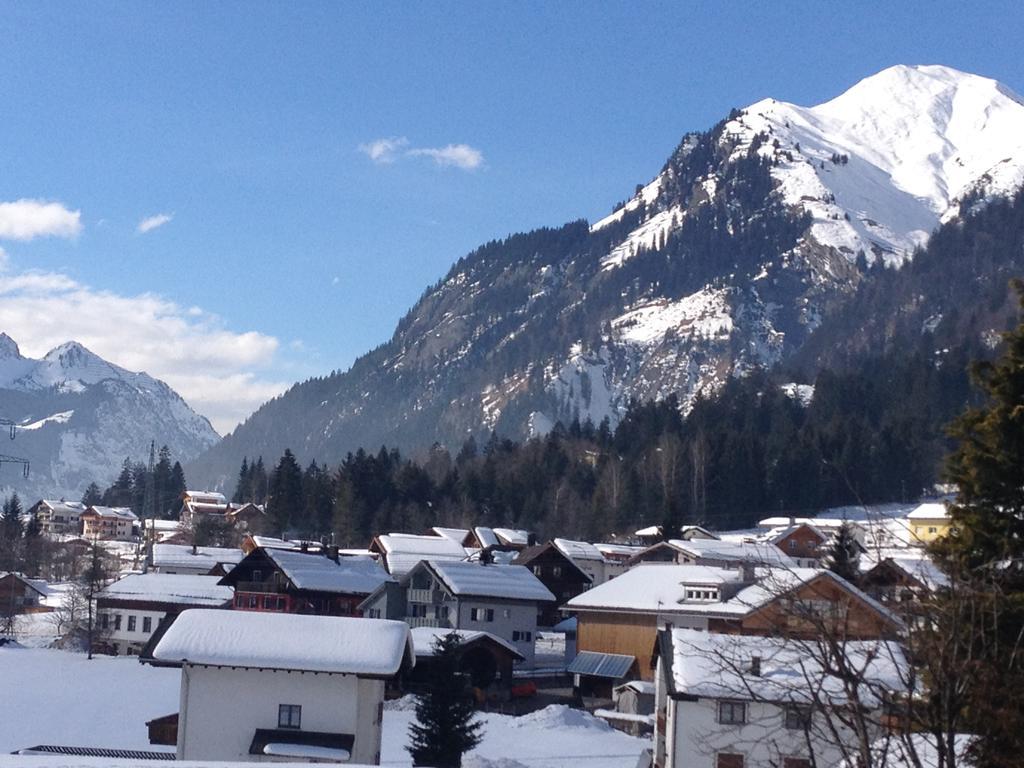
[(556, 572), (629, 634), (803, 543)]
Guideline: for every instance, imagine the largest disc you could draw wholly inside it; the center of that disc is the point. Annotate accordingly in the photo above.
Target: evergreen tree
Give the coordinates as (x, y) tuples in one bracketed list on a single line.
[(445, 728), (243, 488), (285, 497), (843, 557), (984, 551), (92, 496), (10, 534), (166, 497), (176, 488)]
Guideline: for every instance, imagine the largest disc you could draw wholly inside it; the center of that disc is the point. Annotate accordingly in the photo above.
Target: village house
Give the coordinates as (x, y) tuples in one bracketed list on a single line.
[(805, 543), (485, 658), (190, 559), (292, 581), (109, 523), (503, 600), (399, 552), (621, 618), (19, 594), (198, 504), (730, 701), (559, 573), (483, 537), (131, 609), (929, 522), (652, 534), (58, 517), (281, 687), (714, 552), (903, 579)]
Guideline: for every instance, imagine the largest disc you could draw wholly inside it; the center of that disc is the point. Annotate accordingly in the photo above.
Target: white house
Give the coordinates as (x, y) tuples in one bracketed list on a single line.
[(502, 600), (399, 552), (129, 611), (109, 523), (272, 687), (738, 701), (58, 516)]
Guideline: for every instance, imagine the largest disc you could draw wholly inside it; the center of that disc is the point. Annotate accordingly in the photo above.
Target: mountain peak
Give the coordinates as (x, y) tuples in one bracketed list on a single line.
[(9, 348), (73, 354)]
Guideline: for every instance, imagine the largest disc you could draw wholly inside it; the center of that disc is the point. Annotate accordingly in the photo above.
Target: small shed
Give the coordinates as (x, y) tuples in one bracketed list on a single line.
[(485, 658)]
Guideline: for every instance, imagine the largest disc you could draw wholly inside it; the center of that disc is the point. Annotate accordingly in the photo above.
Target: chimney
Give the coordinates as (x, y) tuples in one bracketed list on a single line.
[(747, 569), (755, 666)]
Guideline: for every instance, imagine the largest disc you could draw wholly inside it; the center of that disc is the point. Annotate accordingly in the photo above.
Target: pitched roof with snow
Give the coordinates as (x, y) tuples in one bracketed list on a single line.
[(169, 588), (513, 537), (455, 534), (403, 550), (423, 639), (67, 507), (578, 550), (713, 665), (182, 556), (506, 582), (372, 647), (652, 588), (486, 536), (733, 551), (350, 575), (112, 513), (930, 511)]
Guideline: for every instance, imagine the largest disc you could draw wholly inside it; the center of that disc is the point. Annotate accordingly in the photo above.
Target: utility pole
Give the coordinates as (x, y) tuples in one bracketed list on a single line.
[(4, 458)]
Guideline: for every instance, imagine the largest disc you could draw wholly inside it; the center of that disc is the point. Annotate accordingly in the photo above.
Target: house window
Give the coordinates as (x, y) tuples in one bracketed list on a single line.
[(933, 529), (441, 612), (796, 762), (792, 544), (521, 637), (117, 621), (131, 623), (556, 571), (239, 601), (481, 614), (257, 575), (374, 613), (147, 624), (728, 760), (418, 611), (289, 716), (732, 712), (797, 718), (104, 620), (538, 570), (507, 613), (253, 601)]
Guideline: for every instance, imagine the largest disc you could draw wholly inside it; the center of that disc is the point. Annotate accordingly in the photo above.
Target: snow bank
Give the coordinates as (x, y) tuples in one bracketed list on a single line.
[(559, 716)]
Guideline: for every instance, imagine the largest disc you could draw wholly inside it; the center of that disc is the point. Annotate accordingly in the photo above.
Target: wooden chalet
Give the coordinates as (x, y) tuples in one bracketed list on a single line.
[(556, 571), (19, 594), (292, 581)]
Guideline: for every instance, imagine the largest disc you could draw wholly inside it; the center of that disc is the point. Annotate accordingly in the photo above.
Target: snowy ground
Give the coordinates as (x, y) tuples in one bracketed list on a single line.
[(56, 697)]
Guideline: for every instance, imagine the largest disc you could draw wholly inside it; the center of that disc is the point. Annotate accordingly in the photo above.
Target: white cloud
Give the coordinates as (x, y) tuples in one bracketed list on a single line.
[(384, 151), (27, 219), (5, 260), (150, 223), (223, 374), (458, 155), (387, 151)]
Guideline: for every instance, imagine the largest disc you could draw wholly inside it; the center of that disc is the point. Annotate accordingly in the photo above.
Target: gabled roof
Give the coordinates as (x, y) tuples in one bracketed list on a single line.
[(579, 550), (169, 588), (930, 511), (780, 535), (652, 588), (114, 513), (370, 647), (181, 556), (486, 536), (737, 552), (455, 534), (403, 550), (712, 665), (513, 537), (350, 575), (36, 585), (68, 507), (423, 639), (504, 582), (526, 557)]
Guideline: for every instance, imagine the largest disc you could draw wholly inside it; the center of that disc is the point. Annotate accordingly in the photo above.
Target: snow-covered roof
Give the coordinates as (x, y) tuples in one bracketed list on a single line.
[(67, 507), (919, 566), (513, 537), (618, 551), (486, 536), (403, 550), (270, 542), (287, 641), (930, 511), (506, 582), (423, 639), (206, 497), (350, 575), (733, 551), (114, 513), (578, 550), (181, 556), (652, 588), (457, 535), (169, 588), (37, 585), (650, 530), (779, 534), (713, 665)]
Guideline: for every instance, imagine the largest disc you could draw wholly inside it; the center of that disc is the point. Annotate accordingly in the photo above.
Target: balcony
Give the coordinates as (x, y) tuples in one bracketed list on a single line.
[(427, 621), (267, 587), (427, 596)]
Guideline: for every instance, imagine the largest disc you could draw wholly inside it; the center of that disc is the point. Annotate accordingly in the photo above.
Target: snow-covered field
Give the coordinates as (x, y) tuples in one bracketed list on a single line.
[(56, 697)]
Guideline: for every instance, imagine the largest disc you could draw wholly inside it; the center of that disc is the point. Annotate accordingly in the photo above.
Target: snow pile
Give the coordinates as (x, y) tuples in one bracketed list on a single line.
[(406, 703), (559, 716)]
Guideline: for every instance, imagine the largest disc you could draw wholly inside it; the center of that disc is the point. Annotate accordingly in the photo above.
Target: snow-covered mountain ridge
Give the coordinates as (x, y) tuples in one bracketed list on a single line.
[(752, 233), (79, 417)]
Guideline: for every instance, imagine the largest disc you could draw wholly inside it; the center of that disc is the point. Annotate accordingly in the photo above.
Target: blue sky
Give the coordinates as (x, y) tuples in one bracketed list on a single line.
[(283, 249)]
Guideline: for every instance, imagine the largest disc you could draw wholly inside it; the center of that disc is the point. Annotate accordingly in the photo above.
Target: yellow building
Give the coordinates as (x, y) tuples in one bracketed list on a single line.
[(928, 522)]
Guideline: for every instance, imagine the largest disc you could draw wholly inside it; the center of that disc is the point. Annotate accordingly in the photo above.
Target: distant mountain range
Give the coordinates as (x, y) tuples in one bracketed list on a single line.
[(78, 417), (749, 240)]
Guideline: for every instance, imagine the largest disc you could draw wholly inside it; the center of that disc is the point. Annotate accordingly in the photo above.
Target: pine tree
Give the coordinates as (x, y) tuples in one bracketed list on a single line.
[(10, 534), (843, 557), (445, 728), (285, 497), (984, 552), (243, 488), (92, 496)]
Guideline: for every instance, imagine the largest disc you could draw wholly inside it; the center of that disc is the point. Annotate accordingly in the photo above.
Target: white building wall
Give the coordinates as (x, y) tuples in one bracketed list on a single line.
[(128, 642), (695, 737), (509, 618), (222, 708)]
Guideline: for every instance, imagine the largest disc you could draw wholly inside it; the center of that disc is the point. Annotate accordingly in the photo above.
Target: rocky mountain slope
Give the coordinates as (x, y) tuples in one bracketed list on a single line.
[(79, 416), (731, 257)]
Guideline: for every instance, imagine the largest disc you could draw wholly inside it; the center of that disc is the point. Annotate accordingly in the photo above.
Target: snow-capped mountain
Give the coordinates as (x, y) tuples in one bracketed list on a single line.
[(750, 235), (78, 417)]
